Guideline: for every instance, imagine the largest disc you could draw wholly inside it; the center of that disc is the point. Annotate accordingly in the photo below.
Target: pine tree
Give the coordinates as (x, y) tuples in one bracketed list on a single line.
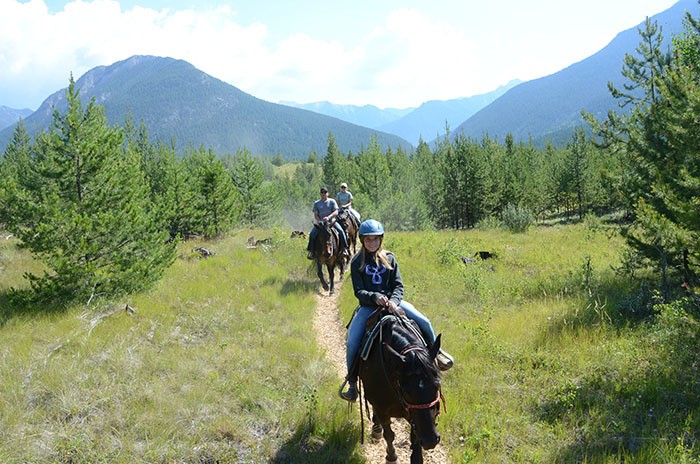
[(332, 166), (577, 170), (660, 138), (258, 201), (87, 212), (213, 194), (374, 175), (15, 167)]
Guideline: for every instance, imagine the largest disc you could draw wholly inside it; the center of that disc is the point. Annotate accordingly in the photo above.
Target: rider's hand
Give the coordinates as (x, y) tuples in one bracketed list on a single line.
[(395, 309)]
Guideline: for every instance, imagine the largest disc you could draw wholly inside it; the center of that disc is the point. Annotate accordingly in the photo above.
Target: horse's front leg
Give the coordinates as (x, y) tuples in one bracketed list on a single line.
[(391, 457), (331, 277), (319, 272), (416, 450)]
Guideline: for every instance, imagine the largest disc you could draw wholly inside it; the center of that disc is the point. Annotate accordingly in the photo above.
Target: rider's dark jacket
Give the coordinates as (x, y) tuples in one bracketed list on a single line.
[(369, 279)]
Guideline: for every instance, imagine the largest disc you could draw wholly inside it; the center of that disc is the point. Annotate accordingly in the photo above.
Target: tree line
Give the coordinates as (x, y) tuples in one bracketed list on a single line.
[(103, 207)]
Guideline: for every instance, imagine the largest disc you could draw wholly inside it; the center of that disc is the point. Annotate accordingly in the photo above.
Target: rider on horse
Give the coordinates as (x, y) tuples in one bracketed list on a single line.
[(344, 199), (326, 209), (377, 283)]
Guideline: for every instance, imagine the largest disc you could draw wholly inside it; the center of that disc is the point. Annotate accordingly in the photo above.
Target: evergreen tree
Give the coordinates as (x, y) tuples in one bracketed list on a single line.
[(660, 138), (332, 166), (87, 213), (403, 208), (172, 194), (14, 166), (212, 192), (374, 175), (577, 170), (258, 201)]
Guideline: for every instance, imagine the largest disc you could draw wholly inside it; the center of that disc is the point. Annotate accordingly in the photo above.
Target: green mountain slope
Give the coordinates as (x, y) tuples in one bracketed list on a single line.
[(550, 107), (180, 103)]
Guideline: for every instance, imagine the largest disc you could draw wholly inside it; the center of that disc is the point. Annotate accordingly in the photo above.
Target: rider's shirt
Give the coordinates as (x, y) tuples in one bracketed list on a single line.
[(324, 208), (369, 279), (343, 198)]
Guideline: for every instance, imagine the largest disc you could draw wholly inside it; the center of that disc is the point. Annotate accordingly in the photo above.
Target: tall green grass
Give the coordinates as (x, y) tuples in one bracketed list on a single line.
[(552, 365), (219, 362)]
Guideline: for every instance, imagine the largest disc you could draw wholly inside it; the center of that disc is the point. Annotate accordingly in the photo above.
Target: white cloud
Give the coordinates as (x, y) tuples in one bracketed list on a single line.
[(39, 50), (408, 57)]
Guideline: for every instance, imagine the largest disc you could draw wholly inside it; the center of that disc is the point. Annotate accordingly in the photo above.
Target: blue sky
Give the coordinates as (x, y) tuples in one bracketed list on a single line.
[(387, 53)]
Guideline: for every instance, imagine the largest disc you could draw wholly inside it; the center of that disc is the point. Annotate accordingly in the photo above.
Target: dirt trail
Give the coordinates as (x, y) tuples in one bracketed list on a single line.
[(330, 332)]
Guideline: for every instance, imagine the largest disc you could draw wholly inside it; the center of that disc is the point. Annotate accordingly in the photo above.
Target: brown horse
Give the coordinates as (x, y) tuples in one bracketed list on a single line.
[(349, 224), (327, 248), (400, 379)]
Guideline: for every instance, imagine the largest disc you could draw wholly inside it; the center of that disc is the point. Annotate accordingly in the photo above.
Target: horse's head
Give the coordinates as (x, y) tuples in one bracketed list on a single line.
[(324, 239), (419, 387)]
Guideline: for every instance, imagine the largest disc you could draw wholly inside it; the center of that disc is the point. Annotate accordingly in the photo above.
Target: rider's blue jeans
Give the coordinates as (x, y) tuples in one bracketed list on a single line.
[(356, 330)]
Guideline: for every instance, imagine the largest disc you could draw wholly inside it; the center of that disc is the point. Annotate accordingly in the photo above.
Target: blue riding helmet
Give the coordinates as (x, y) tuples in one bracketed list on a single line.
[(371, 227)]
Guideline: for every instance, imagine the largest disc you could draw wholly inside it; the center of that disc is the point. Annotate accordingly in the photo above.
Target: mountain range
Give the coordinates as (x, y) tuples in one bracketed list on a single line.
[(550, 108), (9, 116), (426, 122), (180, 103)]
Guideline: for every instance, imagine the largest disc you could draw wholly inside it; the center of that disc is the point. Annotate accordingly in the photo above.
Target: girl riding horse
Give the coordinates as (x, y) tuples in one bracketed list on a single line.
[(377, 283)]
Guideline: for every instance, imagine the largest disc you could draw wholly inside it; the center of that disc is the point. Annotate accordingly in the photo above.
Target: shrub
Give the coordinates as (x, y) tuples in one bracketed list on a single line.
[(516, 218)]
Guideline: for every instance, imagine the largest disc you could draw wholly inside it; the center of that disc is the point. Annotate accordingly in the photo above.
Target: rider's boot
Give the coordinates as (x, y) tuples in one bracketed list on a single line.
[(351, 393), (444, 360)]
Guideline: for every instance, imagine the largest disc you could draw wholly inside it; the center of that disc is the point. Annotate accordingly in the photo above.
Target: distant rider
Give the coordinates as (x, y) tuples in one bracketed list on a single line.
[(326, 209), (344, 199)]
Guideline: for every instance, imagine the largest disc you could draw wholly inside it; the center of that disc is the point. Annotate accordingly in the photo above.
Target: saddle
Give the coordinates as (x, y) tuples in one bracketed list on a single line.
[(375, 322)]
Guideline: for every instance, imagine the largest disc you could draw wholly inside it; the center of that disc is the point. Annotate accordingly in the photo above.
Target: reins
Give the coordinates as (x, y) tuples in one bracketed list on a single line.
[(397, 387)]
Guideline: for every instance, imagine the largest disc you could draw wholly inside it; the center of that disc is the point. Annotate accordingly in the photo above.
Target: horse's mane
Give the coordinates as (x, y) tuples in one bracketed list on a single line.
[(418, 360)]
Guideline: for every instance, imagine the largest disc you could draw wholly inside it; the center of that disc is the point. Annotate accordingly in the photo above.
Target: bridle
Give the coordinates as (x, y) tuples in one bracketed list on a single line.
[(408, 406), (398, 391)]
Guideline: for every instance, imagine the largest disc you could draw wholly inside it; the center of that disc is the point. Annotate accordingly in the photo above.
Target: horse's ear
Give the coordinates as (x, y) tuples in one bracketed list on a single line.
[(435, 349), (395, 353)]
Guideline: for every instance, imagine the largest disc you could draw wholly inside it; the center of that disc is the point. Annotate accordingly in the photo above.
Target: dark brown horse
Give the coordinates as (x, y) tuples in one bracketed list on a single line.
[(350, 226), (401, 380), (327, 248)]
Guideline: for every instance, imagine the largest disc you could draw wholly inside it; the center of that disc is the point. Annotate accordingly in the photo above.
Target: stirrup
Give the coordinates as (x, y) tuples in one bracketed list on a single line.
[(310, 255), (351, 393), (444, 360)]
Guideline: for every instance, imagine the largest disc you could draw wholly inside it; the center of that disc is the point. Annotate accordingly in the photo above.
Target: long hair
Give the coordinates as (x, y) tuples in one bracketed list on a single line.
[(379, 255)]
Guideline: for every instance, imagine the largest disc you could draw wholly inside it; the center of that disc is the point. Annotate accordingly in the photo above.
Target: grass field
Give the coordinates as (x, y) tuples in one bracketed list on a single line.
[(219, 363)]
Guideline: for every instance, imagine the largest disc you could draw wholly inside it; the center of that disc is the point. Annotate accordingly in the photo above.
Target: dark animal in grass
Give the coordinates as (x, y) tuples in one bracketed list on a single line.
[(203, 252)]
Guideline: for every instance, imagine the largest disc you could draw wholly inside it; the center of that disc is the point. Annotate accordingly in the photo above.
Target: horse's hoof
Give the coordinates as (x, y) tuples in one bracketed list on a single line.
[(388, 461), (331, 293), (377, 431)]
